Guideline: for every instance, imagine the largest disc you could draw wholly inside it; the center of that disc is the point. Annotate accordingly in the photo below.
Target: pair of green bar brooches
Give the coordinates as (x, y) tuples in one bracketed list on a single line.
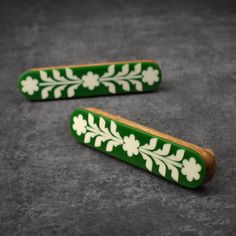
[(174, 159)]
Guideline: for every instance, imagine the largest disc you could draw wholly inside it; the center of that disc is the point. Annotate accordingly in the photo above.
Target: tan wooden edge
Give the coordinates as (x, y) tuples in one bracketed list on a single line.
[(206, 153), (87, 65)]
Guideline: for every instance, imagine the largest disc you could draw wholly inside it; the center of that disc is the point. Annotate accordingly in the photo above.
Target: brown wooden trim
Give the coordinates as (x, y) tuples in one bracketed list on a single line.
[(95, 64)]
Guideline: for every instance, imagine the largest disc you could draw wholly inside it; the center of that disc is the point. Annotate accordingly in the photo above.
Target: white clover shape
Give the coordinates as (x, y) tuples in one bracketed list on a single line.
[(150, 76), (90, 80), (79, 125), (131, 145), (191, 169), (30, 85)]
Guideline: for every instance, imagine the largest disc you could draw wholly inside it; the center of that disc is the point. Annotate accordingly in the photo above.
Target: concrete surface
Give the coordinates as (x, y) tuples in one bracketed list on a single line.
[(50, 184)]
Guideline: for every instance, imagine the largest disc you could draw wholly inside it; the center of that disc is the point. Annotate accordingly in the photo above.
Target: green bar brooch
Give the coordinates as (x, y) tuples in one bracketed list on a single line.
[(174, 159), (90, 80)]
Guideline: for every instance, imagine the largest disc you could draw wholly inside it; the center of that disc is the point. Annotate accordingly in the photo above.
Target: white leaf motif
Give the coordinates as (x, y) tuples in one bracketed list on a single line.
[(91, 121), (124, 71), (175, 174), (57, 76), (178, 156), (99, 141), (111, 87), (138, 85), (58, 90), (152, 144), (125, 85), (110, 146), (45, 92), (111, 71), (88, 137), (137, 69), (148, 160), (44, 76), (174, 171), (113, 129), (102, 124), (70, 75), (162, 167), (71, 90), (165, 150)]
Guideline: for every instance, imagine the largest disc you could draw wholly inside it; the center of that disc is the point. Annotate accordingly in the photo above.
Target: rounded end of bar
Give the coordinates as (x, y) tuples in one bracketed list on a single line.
[(19, 84), (25, 89), (210, 160)]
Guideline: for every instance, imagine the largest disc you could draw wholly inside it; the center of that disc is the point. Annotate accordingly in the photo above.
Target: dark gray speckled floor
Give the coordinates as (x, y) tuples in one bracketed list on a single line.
[(50, 184)]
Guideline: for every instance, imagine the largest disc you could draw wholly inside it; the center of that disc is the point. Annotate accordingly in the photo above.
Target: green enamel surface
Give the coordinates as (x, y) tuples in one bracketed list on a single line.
[(172, 161), (80, 81)]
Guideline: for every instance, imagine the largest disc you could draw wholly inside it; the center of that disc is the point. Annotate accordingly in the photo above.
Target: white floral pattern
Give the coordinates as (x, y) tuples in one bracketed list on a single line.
[(150, 76), (30, 85), (102, 132), (90, 80), (131, 145), (127, 79), (79, 125), (191, 169)]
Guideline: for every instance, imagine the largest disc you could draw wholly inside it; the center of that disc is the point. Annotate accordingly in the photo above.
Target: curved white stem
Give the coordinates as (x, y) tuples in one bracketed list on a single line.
[(59, 83), (121, 78)]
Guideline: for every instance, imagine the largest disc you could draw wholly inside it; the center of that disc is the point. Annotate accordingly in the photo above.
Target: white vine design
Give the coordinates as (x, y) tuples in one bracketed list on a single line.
[(123, 78), (70, 82), (102, 133), (161, 157)]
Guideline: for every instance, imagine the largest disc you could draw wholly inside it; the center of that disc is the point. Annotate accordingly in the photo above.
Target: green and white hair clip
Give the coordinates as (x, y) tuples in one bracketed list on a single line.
[(176, 160), (90, 80)]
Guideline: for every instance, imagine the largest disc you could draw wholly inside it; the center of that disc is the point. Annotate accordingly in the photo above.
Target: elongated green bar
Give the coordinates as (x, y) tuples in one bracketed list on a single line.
[(90, 80), (130, 143)]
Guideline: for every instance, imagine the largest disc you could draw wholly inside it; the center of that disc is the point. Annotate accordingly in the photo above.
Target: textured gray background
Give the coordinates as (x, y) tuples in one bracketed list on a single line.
[(50, 184)]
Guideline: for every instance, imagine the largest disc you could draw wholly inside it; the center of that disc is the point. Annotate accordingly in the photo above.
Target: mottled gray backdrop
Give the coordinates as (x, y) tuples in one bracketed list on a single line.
[(50, 184)]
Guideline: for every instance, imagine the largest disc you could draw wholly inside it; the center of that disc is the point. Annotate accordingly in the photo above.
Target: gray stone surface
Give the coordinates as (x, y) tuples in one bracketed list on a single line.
[(50, 184)]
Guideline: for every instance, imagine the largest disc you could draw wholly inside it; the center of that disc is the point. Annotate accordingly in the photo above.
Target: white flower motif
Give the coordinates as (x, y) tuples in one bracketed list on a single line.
[(131, 145), (79, 125), (90, 80), (30, 85), (150, 76), (191, 169)]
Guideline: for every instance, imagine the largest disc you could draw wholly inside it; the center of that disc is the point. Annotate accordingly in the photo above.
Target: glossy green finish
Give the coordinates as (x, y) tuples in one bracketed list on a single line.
[(90, 80), (164, 158)]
